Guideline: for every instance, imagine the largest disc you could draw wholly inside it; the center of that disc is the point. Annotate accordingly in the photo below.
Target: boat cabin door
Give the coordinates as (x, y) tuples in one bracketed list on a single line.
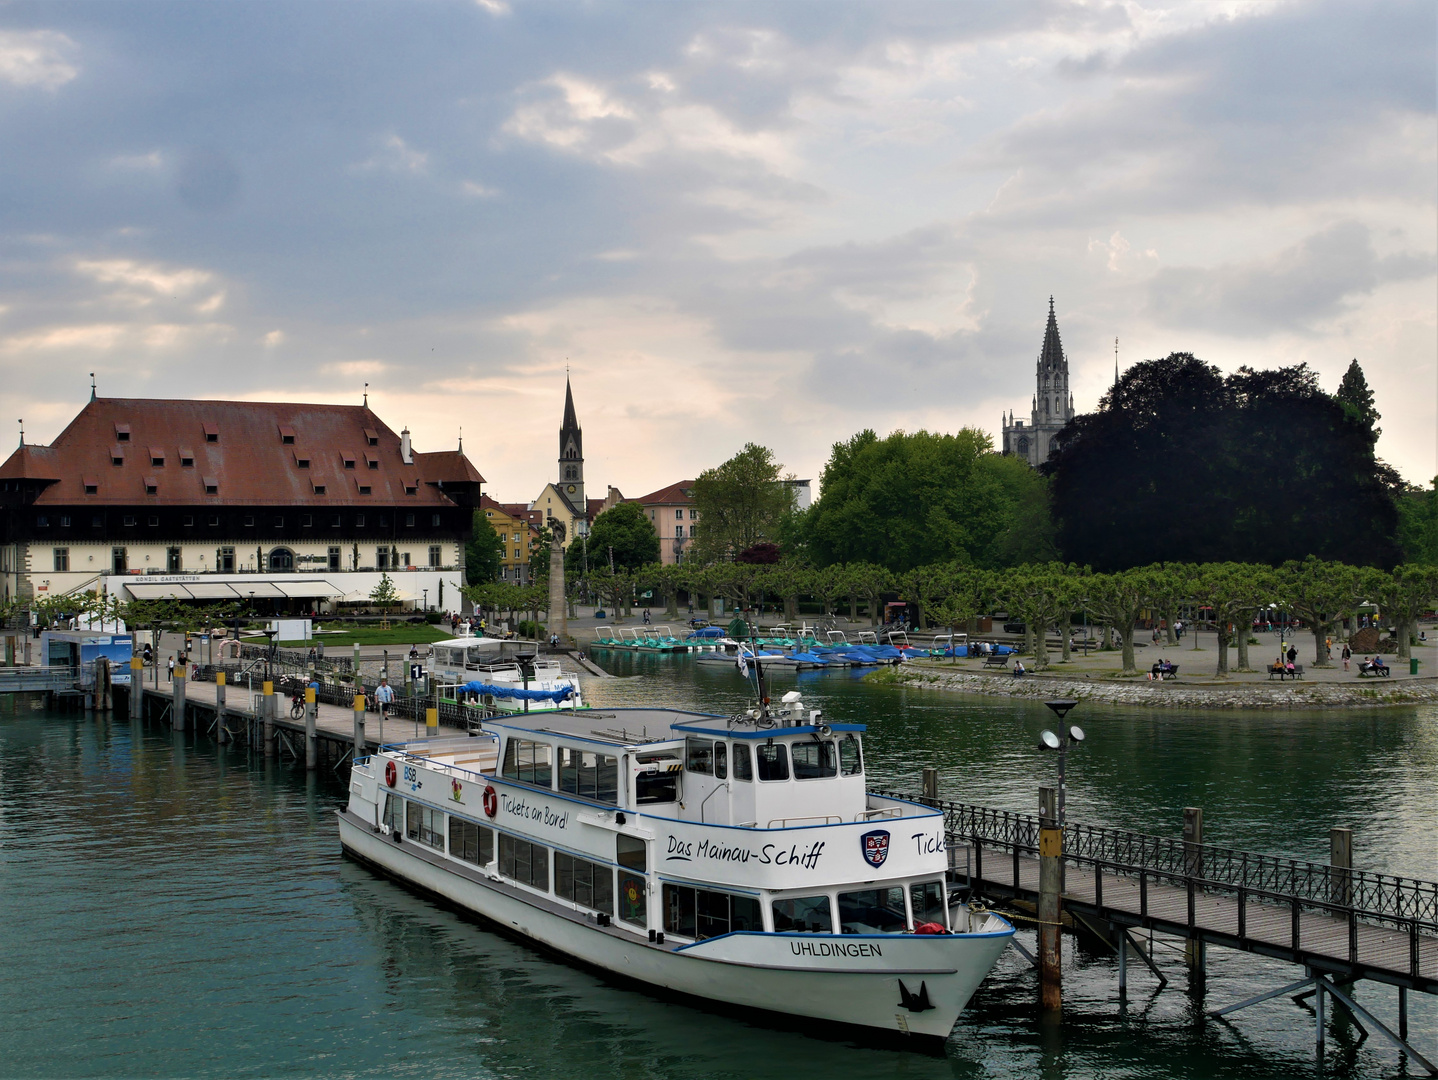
[(631, 853)]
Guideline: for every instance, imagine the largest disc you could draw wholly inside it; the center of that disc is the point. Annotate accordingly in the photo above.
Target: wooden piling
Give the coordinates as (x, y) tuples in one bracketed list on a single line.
[(268, 708), (1340, 857), (177, 707), (1194, 952), (311, 739), (137, 686), (931, 786), (1050, 902), (220, 708), (359, 726)]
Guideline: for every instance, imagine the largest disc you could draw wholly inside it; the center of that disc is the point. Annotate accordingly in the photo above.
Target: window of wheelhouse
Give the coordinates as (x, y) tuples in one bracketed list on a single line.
[(851, 757), (743, 764), (528, 761), (773, 762), (588, 774), (926, 901), (803, 915), (814, 760), (658, 779), (873, 911)]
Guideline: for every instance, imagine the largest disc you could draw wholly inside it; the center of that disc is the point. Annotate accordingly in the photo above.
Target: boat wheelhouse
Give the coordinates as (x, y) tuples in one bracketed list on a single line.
[(737, 859)]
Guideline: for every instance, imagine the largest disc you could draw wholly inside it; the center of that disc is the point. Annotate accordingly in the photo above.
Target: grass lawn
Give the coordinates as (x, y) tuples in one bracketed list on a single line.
[(418, 634)]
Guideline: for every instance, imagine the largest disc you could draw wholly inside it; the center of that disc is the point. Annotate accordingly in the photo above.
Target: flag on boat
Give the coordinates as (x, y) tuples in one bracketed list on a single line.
[(743, 664)]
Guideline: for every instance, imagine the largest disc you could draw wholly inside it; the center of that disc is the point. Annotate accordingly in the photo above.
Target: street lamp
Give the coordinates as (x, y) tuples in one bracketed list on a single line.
[(1050, 741), (426, 598)]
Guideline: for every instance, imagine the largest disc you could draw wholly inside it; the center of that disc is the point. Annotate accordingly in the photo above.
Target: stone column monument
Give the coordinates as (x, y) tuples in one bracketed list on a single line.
[(558, 622)]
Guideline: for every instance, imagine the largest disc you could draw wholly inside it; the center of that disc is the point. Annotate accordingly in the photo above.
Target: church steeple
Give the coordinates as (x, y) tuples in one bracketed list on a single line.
[(571, 454), (1052, 404)]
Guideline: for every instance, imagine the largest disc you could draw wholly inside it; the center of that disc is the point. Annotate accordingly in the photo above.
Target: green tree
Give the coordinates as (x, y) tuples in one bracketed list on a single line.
[(539, 556), (1418, 524), (627, 531), (1404, 596), (742, 502), (1357, 400), (1321, 593), (1119, 600), (483, 551), (384, 593), (909, 500)]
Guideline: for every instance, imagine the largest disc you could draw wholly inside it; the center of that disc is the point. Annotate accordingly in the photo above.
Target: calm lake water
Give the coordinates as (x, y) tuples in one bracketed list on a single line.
[(173, 909)]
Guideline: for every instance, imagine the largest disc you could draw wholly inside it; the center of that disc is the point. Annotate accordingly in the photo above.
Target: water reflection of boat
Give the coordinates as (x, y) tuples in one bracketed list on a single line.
[(734, 859)]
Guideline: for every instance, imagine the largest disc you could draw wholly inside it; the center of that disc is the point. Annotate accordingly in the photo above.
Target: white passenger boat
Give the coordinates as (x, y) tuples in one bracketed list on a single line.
[(733, 859), (504, 675)]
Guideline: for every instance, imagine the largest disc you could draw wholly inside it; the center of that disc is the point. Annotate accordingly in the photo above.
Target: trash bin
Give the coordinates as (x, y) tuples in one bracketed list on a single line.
[(1413, 665)]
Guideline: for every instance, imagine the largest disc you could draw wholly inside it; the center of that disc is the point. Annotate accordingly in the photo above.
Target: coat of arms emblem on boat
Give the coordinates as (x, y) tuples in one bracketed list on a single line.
[(876, 847)]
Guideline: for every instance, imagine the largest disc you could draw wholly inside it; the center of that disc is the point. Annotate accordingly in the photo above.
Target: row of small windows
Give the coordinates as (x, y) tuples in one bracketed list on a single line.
[(688, 911), (678, 514), (212, 485), (278, 559), (212, 434), (816, 760), (307, 521)]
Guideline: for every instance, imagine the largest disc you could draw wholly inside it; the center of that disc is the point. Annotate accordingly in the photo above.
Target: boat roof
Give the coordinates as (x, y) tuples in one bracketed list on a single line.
[(639, 727), (475, 642)]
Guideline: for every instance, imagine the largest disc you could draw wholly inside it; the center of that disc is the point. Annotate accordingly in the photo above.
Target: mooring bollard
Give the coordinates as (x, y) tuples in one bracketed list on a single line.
[(359, 726), (1050, 902), (177, 708), (137, 687), (431, 721), (267, 707), (311, 740), (220, 707), (1194, 950)]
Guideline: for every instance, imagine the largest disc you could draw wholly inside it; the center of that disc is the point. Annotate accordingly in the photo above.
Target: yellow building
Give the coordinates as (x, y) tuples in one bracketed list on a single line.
[(518, 530)]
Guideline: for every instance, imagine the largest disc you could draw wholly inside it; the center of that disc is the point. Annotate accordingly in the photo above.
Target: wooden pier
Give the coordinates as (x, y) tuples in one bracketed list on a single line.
[(1342, 925)]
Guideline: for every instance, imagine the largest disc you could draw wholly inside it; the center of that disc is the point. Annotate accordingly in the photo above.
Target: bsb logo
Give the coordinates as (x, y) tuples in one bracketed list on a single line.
[(876, 847)]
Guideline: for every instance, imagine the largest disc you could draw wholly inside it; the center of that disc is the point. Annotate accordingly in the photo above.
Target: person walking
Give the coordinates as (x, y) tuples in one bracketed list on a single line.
[(383, 697), (170, 670), (1292, 653), (1347, 655)]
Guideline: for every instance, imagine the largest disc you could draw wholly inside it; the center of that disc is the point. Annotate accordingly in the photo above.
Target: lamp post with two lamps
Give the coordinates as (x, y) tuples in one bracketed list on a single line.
[(1051, 825)]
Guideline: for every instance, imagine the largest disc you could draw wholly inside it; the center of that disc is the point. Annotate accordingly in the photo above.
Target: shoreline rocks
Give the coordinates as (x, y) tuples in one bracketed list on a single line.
[(1150, 695)]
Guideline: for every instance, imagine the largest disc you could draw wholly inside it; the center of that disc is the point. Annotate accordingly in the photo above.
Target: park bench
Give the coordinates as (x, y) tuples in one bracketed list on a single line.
[(1281, 671), (1171, 673), (995, 660), (1365, 670)]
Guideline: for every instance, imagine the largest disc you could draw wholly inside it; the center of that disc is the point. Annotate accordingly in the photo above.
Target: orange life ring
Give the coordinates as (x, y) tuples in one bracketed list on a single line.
[(491, 800), (389, 773)]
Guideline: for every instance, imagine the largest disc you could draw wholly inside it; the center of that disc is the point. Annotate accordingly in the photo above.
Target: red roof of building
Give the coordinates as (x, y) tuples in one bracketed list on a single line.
[(677, 494), (233, 453), (518, 511)]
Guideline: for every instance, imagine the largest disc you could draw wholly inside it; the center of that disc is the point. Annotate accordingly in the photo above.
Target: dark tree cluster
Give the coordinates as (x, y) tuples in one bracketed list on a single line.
[(1180, 463)]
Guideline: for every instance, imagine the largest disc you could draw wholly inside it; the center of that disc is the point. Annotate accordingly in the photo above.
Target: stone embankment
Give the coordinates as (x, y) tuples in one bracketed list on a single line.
[(1174, 695)]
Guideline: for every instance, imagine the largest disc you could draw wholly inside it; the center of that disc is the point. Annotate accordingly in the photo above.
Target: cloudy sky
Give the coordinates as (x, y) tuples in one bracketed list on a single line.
[(771, 222)]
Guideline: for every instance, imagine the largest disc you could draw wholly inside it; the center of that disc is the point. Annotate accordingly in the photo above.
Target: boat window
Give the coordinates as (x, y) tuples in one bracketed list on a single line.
[(633, 884), (773, 761), (873, 911), (658, 779), (743, 764), (699, 756), (927, 900), (585, 883), (802, 914), (705, 913), (589, 775), (814, 760), (527, 761), (721, 760), (471, 842), (424, 824), (393, 812), (851, 758), (524, 862)]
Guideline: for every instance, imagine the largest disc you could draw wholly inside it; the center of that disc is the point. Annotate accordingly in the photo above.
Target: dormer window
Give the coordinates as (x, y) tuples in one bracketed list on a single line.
[(411, 487), (212, 433), (212, 485), (92, 485), (371, 436), (287, 435), (302, 462), (117, 455), (349, 461), (364, 489), (157, 457), (187, 458), (371, 461), (122, 432), (319, 489), (152, 486)]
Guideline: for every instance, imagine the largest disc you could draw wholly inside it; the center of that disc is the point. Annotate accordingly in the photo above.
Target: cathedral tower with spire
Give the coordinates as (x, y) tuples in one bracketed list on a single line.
[(1053, 404), (571, 455)]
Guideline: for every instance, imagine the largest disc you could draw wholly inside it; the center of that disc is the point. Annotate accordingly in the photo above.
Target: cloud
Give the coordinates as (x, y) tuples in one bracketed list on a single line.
[(493, 7), (38, 58), (395, 155), (1297, 289)]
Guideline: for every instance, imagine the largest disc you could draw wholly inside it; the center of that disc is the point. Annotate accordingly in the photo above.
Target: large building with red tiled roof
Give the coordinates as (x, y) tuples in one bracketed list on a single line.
[(249, 499)]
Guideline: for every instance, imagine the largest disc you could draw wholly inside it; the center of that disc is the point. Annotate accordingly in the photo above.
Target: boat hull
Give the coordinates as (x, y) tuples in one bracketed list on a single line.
[(848, 980)]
